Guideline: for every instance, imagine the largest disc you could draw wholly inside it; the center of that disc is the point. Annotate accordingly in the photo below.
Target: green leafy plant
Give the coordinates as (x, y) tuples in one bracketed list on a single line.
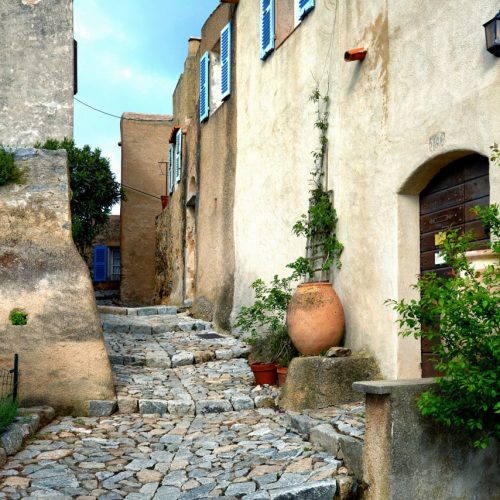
[(319, 225), (94, 190), (8, 409), (10, 173), (460, 315), (264, 320), (18, 317)]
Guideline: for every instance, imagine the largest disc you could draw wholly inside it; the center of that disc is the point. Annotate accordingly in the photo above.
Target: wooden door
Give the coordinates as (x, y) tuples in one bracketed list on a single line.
[(446, 203)]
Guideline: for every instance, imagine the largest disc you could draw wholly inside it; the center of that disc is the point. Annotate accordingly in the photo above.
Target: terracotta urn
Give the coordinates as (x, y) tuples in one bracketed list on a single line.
[(315, 318)]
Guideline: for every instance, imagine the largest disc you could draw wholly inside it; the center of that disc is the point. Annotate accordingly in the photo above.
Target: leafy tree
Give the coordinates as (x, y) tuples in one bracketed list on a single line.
[(94, 190)]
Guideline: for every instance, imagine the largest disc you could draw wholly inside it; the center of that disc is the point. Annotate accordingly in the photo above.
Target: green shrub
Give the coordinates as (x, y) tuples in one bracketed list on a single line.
[(8, 409), (9, 172), (18, 317), (461, 312)]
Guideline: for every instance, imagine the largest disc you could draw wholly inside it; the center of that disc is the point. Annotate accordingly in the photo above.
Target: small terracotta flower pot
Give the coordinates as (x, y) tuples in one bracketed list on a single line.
[(164, 202), (264, 373), (282, 371)]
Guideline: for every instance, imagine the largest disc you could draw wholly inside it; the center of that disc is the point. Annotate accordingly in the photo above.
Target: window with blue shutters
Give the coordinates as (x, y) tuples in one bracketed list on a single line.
[(178, 155), (100, 263), (304, 7), (171, 169), (225, 55), (266, 27), (204, 87)]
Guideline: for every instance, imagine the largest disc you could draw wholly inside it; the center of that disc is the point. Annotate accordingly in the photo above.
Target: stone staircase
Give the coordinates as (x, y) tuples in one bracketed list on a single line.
[(166, 362)]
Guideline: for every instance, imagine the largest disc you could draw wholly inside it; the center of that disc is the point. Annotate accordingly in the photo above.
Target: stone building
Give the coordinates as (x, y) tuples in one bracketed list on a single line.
[(144, 142), (37, 71), (62, 358), (410, 128)]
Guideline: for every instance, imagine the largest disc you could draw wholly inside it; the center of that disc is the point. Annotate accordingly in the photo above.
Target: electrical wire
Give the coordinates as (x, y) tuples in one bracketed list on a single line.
[(116, 116), (142, 192)]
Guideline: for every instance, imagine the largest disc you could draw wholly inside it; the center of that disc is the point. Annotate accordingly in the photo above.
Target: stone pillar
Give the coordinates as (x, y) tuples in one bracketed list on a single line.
[(408, 456), (63, 360)]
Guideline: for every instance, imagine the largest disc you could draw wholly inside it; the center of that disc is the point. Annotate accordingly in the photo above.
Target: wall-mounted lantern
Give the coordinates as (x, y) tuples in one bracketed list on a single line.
[(492, 29), (355, 55)]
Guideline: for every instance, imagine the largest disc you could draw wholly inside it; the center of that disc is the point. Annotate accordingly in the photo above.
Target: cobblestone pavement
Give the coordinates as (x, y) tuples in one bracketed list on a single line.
[(189, 442)]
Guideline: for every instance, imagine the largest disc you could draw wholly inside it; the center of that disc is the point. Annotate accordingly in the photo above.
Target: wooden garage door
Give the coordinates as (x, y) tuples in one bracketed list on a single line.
[(446, 203)]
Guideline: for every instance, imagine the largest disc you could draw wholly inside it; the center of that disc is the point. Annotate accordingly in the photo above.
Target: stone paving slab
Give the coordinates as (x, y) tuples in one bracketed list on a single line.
[(157, 341), (203, 388), (247, 454)]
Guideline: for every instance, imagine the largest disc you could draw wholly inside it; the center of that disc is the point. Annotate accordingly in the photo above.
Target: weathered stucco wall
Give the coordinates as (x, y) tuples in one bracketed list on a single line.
[(144, 140), (63, 361), (36, 71), (215, 242), (172, 281), (416, 82), (406, 455)]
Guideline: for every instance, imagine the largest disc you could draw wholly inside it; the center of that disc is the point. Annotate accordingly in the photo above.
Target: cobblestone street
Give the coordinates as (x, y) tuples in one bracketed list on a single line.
[(190, 425)]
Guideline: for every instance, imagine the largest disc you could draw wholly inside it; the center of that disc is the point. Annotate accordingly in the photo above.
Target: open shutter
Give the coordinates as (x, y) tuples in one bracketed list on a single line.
[(171, 169), (225, 56), (100, 263), (204, 87), (304, 7), (266, 27), (178, 155)]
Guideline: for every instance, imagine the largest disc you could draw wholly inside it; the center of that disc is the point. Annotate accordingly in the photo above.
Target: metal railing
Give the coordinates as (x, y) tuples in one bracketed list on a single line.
[(9, 381)]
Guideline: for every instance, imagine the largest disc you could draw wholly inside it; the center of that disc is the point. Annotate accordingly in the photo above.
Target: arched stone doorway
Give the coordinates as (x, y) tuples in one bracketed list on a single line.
[(445, 203)]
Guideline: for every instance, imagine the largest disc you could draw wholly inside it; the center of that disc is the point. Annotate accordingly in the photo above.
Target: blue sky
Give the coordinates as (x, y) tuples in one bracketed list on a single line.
[(130, 55)]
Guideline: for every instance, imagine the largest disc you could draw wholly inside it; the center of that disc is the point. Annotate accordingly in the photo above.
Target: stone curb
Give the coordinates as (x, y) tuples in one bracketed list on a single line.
[(138, 311), (28, 421), (346, 448)]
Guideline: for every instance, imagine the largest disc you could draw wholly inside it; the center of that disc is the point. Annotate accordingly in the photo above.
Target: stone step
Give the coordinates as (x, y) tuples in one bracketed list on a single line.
[(137, 311), (337, 430), (158, 342), (214, 387)]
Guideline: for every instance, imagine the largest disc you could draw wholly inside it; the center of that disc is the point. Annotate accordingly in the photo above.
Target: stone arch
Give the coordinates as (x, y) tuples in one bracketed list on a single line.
[(408, 262)]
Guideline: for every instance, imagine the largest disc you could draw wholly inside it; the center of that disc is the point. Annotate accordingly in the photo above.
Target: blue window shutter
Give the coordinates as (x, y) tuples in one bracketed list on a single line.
[(100, 263), (178, 155), (204, 87), (171, 169), (266, 27), (304, 7), (225, 56)]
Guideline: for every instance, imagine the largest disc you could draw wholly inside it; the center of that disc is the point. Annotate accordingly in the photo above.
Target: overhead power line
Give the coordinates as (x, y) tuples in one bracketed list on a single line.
[(116, 116), (142, 192)]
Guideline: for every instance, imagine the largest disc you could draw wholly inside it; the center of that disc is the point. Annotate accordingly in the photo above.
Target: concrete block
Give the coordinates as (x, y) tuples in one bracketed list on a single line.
[(180, 407), (317, 382), (102, 408), (128, 405), (167, 310), (325, 437), (318, 490), (213, 406), (147, 311), (147, 406)]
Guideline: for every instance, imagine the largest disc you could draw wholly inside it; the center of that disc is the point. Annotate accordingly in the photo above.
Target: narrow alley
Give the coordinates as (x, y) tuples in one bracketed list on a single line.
[(190, 425)]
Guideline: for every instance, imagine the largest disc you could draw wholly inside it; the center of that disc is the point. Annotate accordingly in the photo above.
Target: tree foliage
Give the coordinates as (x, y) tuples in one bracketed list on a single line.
[(9, 172), (94, 190)]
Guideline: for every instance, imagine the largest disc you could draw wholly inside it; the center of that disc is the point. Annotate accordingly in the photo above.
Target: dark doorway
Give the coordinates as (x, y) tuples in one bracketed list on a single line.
[(446, 203)]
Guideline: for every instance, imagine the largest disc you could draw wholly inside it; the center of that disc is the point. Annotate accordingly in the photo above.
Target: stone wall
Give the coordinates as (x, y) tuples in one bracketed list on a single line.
[(63, 361), (408, 456), (36, 71), (144, 140)]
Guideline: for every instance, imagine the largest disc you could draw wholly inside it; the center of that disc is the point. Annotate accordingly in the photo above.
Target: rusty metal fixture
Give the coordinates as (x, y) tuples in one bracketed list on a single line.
[(355, 55), (315, 318)]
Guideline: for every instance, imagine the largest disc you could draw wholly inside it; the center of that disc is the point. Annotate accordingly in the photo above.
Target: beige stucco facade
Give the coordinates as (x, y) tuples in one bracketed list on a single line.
[(422, 97), (144, 142)]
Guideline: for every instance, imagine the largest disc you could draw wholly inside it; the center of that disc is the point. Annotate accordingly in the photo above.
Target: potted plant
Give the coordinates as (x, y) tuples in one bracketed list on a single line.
[(315, 317), (264, 321)]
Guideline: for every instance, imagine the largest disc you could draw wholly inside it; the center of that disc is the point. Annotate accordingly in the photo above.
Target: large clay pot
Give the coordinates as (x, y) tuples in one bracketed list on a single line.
[(315, 318)]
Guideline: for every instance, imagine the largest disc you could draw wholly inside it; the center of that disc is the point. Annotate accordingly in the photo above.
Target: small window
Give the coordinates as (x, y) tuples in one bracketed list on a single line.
[(114, 264), (178, 155), (266, 27), (204, 87)]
